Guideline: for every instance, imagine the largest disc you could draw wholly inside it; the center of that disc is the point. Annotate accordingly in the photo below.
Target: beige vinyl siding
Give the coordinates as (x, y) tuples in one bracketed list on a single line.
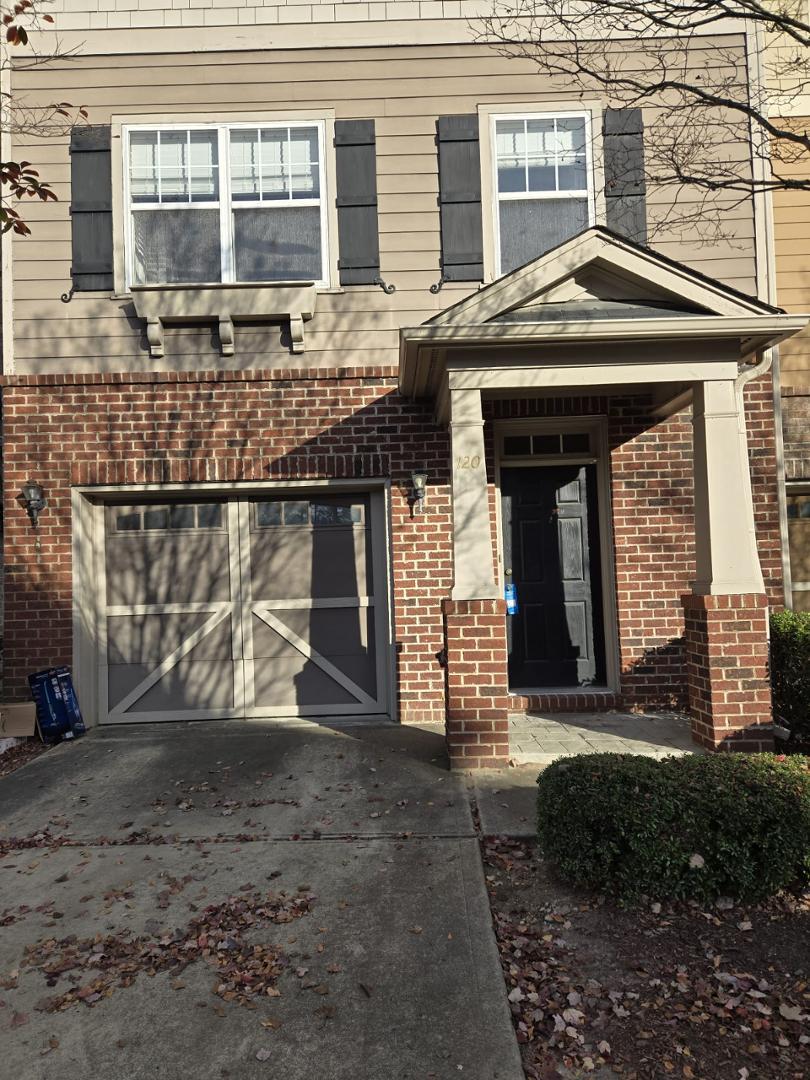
[(403, 89), (791, 213)]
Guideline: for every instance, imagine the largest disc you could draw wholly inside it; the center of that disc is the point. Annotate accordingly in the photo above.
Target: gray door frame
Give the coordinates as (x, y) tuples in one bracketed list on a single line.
[(597, 428), (89, 589)]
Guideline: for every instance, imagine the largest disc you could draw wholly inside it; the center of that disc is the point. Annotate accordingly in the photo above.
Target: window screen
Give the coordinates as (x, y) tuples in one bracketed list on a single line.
[(226, 203), (543, 184)]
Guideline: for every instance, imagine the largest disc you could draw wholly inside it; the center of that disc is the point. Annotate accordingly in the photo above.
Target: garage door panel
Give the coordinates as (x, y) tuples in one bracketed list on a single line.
[(339, 642), (330, 631), (309, 563), (168, 568), (191, 684), (136, 639), (294, 682)]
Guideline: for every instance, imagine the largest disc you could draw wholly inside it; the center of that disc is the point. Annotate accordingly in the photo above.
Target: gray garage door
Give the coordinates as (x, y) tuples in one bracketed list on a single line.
[(271, 606)]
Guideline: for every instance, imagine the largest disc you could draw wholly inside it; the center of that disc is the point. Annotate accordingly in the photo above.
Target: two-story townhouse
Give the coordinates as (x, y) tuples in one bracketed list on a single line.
[(345, 322)]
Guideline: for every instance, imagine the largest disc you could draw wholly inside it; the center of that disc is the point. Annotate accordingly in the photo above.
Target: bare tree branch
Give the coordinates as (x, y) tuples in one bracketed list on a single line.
[(711, 75), (18, 179)]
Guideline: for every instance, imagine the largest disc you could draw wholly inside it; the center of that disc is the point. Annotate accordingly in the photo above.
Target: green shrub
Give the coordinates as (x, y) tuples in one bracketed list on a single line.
[(694, 827), (790, 671)]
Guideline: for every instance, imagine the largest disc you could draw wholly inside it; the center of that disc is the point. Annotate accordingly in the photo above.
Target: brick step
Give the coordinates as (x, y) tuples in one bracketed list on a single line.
[(578, 701)]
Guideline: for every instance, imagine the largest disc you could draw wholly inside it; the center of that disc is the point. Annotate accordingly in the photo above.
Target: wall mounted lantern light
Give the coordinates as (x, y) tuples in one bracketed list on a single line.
[(33, 498), (419, 483)]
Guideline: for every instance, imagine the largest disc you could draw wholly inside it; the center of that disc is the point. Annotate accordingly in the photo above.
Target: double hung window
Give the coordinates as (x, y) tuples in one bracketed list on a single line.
[(543, 184), (226, 203)]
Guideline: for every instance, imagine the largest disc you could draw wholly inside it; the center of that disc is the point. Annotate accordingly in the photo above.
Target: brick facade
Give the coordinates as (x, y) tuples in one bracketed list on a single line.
[(197, 428), (796, 431), (478, 702), (93, 429), (727, 667)]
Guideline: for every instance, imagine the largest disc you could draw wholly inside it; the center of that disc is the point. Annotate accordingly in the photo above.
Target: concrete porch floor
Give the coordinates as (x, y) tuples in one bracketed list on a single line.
[(540, 738)]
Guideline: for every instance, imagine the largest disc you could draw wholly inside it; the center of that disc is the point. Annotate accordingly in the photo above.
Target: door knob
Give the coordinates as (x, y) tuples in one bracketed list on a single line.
[(509, 571)]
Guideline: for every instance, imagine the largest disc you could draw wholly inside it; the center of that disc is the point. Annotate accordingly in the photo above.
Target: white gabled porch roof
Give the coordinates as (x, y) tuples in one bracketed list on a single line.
[(586, 313)]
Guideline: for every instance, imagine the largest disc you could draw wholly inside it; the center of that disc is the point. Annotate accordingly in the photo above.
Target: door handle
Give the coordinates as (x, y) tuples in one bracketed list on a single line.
[(509, 571)]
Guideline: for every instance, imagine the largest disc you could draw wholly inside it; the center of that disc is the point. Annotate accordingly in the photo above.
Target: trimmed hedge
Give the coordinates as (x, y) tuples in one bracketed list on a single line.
[(694, 827), (790, 671)]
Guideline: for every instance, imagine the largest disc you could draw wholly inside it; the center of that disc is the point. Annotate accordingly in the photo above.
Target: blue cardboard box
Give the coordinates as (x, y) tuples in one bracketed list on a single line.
[(58, 714)]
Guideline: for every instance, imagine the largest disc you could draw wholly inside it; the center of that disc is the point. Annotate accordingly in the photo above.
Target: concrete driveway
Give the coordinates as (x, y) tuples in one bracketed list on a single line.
[(239, 901)]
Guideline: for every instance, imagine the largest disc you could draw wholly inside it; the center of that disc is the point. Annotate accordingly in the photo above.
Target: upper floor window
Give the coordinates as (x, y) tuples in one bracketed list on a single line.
[(543, 184), (226, 203)]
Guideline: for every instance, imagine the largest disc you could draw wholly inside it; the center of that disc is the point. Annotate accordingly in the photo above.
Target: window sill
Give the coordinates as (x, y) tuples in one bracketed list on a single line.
[(162, 304)]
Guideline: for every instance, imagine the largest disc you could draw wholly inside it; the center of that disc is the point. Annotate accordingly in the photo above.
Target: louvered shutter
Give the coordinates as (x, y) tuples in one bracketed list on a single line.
[(625, 186), (91, 209), (462, 257), (356, 200)]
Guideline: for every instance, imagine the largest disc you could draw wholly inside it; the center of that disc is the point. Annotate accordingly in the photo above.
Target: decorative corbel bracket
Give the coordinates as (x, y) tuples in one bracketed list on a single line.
[(154, 335), (297, 333), (226, 335), (162, 304)]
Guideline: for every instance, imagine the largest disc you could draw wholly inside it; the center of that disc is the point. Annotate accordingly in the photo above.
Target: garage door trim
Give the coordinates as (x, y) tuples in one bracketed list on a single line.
[(89, 587)]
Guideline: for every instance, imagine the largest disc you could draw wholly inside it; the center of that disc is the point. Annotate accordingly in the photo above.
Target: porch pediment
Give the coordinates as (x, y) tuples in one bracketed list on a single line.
[(587, 303)]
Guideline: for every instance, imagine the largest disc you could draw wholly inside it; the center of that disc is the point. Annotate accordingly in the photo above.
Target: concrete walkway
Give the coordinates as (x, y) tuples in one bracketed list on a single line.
[(506, 798), (388, 971), (540, 739)]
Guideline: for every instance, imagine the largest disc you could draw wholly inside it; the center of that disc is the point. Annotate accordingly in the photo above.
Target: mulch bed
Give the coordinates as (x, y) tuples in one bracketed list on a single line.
[(597, 989), (20, 754)]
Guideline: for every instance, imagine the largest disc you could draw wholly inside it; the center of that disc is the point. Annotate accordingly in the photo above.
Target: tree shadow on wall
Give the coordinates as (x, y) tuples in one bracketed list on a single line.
[(383, 438)]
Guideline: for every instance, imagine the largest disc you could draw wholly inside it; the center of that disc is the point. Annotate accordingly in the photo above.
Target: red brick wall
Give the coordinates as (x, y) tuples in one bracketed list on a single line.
[(727, 661), (477, 685), (118, 429), (165, 427)]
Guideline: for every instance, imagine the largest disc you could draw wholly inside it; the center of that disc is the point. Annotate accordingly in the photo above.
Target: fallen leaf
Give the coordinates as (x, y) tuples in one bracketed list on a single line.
[(791, 1012)]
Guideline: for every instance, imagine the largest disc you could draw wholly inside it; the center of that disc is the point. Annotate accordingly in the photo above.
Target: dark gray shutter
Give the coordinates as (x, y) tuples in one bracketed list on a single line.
[(625, 187), (358, 234), (460, 198), (91, 208)]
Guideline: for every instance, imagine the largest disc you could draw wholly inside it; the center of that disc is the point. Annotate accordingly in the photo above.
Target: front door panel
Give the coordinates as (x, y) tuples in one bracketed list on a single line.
[(551, 555)]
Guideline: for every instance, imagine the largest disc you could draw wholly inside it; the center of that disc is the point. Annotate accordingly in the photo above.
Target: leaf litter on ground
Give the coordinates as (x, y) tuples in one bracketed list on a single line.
[(648, 992)]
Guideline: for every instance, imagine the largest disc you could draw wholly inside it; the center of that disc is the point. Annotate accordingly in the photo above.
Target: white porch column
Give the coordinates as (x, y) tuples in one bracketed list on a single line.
[(473, 568), (726, 550)]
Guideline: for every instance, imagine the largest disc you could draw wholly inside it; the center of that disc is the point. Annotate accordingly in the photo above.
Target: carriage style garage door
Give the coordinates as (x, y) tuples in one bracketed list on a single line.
[(267, 606)]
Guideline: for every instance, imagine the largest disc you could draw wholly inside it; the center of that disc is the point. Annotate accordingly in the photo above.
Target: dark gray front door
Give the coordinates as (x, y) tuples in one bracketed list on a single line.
[(551, 555)]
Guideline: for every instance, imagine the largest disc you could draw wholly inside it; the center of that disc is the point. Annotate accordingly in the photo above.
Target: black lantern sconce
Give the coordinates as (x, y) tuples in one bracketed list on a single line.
[(33, 498), (419, 485)]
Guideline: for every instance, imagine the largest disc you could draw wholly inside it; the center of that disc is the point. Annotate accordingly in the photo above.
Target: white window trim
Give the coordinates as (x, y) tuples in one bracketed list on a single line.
[(121, 125), (488, 114)]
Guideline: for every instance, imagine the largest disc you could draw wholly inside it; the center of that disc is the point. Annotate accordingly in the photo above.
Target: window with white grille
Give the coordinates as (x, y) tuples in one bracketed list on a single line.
[(543, 183), (226, 203)]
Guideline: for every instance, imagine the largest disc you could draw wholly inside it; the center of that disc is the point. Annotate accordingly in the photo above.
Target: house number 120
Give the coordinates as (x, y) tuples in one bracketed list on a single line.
[(467, 462)]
